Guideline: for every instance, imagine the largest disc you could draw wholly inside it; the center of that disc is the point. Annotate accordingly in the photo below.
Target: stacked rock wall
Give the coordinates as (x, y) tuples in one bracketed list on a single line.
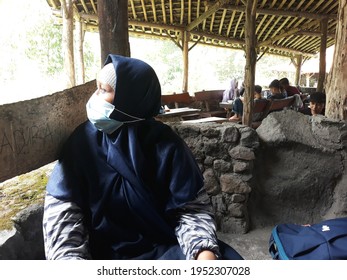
[(225, 154)]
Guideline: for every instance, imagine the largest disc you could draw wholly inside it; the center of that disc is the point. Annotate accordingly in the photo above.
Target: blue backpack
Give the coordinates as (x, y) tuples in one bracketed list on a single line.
[(326, 240)]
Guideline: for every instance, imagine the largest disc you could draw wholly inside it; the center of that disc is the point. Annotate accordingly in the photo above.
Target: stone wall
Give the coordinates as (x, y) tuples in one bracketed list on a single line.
[(32, 131), (225, 154), (300, 170)]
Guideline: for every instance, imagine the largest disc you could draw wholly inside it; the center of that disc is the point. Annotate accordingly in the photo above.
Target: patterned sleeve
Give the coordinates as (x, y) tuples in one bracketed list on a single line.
[(196, 230), (65, 236)]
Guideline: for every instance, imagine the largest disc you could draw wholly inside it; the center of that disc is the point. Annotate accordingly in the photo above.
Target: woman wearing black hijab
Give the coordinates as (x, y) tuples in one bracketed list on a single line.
[(126, 186)]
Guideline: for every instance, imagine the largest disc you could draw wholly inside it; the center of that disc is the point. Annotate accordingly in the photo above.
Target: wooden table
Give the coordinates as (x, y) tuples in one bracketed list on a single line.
[(176, 114), (204, 120), (228, 106)]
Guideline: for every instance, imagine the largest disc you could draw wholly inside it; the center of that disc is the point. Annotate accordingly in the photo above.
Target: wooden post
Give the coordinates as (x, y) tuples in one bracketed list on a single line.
[(251, 60), (80, 55), (297, 61), (113, 28), (322, 55), (68, 49), (336, 105), (185, 52)]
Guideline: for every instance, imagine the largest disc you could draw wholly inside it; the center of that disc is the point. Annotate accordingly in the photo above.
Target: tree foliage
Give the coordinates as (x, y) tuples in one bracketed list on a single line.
[(45, 47)]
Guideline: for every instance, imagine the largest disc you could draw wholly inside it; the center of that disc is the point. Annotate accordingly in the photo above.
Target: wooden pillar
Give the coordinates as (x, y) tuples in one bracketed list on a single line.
[(336, 104), (297, 61), (251, 60), (322, 55), (185, 51), (80, 32), (113, 28), (68, 47)]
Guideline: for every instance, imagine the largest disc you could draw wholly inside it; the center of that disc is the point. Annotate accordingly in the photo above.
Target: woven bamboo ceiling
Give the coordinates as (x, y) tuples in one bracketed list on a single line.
[(283, 27)]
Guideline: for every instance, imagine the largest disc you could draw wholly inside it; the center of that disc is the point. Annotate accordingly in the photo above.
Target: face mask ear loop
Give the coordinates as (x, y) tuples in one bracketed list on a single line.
[(136, 118)]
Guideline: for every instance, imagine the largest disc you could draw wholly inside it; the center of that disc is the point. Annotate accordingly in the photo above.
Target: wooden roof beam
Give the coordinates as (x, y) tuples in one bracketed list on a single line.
[(163, 11), (52, 3), (288, 33), (84, 6), (133, 9), (156, 25), (315, 34), (154, 11), (283, 13), (289, 50), (212, 9), (94, 6), (218, 37)]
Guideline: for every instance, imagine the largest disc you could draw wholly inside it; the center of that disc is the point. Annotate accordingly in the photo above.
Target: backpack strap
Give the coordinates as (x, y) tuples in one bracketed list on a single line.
[(276, 249)]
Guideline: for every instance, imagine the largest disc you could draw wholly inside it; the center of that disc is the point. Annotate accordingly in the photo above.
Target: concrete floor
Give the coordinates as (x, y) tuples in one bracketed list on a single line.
[(252, 245)]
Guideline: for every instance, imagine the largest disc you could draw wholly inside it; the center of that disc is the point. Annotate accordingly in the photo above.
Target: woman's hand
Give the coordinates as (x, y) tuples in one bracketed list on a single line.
[(206, 255)]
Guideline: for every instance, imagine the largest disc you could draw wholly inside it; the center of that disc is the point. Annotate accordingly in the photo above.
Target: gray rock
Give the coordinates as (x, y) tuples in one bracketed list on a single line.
[(211, 183), (231, 134), (249, 138), (231, 183), (242, 166), (222, 166), (243, 153)]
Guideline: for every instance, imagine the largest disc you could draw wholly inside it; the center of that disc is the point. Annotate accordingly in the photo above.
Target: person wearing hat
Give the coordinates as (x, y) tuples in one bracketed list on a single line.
[(275, 90), (126, 186)]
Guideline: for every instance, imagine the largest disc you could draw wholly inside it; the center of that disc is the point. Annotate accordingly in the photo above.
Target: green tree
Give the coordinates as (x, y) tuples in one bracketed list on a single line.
[(45, 46)]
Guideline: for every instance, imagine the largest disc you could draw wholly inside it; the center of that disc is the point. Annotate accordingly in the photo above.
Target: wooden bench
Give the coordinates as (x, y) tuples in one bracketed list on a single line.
[(263, 108), (210, 100), (280, 104), (178, 100), (260, 111)]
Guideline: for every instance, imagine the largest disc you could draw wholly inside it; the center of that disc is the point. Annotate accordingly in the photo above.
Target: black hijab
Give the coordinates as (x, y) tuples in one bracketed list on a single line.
[(129, 184)]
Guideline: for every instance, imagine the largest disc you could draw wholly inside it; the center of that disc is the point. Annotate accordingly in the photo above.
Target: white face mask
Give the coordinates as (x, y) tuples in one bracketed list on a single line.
[(99, 111)]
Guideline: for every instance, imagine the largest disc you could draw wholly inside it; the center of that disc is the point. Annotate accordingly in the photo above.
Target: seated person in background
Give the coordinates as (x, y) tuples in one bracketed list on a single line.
[(275, 90), (317, 104), (284, 83), (232, 92), (242, 89), (238, 104)]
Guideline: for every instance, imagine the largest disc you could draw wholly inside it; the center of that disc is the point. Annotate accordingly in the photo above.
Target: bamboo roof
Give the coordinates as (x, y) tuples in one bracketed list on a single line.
[(283, 27)]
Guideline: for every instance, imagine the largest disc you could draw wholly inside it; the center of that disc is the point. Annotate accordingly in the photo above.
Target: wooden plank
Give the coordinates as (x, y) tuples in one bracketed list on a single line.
[(288, 32), (206, 120), (182, 12), (133, 10), (94, 6), (231, 23), (207, 95), (238, 23), (154, 11), (33, 131), (177, 98), (163, 10), (144, 10), (222, 22), (211, 10), (280, 12)]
